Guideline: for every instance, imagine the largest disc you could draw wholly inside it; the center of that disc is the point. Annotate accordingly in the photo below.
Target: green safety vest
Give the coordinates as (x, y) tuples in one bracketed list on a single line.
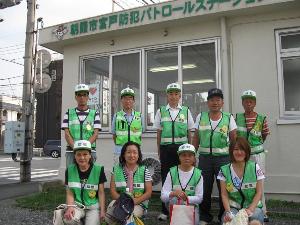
[(82, 130), (138, 182), (242, 198), (191, 185), (254, 136), (174, 132), (86, 194), (126, 131), (215, 141)]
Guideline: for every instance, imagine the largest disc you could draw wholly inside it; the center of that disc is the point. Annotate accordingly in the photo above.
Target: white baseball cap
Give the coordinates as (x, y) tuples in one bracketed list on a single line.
[(249, 94), (82, 145), (186, 148), (127, 92), (173, 87), (81, 87)]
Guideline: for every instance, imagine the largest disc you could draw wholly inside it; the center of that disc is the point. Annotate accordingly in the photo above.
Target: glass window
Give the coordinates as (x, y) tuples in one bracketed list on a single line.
[(161, 70), (291, 75), (97, 77), (125, 73), (288, 59), (198, 75), (290, 41)]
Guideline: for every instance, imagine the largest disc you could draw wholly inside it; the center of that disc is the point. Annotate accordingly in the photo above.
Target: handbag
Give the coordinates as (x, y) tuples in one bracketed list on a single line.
[(182, 214), (241, 218), (58, 215)]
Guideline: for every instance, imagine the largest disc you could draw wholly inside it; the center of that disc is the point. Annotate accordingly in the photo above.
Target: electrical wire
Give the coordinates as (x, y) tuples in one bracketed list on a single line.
[(12, 61), (7, 78)]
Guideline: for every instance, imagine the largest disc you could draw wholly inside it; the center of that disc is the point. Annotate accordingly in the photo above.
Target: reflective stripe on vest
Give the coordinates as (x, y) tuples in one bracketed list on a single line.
[(81, 130), (248, 187), (215, 142), (174, 131), (126, 131), (254, 136)]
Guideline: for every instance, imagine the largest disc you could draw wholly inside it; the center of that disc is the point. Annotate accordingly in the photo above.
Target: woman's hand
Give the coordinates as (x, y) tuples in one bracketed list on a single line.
[(179, 194), (228, 216), (249, 211), (69, 213)]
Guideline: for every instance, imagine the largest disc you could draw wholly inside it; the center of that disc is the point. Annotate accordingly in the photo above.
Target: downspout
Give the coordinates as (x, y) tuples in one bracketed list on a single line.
[(225, 65)]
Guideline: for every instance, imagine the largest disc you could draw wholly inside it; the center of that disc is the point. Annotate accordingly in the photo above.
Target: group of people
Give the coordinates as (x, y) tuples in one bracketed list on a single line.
[(192, 155)]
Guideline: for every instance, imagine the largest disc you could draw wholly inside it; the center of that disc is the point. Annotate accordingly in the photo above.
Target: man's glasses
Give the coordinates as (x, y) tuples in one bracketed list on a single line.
[(82, 95)]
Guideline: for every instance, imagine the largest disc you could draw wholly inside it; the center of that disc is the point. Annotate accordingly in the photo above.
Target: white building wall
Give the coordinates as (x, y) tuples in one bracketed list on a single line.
[(254, 67)]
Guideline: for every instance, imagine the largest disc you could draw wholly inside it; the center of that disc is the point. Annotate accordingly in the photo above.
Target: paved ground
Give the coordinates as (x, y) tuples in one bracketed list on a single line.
[(12, 215)]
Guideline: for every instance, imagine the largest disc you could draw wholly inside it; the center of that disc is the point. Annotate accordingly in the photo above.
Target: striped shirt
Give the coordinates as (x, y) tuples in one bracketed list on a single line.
[(82, 116), (250, 122)]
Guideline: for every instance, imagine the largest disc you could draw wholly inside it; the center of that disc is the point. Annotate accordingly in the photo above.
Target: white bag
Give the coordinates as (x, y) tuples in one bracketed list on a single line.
[(182, 214), (58, 217), (241, 218)]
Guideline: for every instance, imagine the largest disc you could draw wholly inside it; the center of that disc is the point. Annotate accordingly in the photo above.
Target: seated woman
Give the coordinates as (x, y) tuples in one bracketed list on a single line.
[(241, 183), (184, 181), (130, 174), (85, 185)]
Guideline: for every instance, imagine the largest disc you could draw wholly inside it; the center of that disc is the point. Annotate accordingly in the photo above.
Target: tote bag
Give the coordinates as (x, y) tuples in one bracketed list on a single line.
[(58, 215), (241, 218), (182, 214)]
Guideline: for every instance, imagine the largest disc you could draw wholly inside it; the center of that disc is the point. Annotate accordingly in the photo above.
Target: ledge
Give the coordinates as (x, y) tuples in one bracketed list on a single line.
[(286, 121)]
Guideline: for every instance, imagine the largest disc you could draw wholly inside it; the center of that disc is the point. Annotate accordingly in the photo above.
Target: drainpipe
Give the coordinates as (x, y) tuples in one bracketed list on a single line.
[(225, 64)]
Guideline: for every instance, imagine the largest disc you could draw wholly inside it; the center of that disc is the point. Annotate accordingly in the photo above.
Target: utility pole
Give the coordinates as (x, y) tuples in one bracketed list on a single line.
[(27, 102)]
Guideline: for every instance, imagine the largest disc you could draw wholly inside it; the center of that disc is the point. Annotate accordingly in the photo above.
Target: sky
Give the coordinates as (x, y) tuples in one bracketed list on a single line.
[(12, 31)]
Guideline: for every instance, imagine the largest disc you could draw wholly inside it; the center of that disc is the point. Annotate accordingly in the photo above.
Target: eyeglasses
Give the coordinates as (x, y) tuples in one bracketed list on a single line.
[(82, 95)]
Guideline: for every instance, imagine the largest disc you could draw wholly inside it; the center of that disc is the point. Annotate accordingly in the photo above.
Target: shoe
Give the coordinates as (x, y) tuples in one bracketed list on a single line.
[(266, 219), (203, 222), (162, 217)]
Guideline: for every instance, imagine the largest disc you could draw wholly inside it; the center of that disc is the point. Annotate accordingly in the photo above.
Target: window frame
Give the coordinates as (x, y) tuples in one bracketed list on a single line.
[(281, 55)]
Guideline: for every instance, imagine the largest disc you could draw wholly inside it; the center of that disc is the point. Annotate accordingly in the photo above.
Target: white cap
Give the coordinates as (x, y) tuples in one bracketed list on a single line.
[(173, 87), (186, 148), (127, 92), (249, 94), (82, 87), (82, 145)]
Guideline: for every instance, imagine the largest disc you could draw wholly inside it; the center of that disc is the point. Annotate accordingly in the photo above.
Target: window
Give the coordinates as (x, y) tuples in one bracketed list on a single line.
[(199, 73), (125, 73), (194, 65), (161, 70), (288, 60), (97, 77)]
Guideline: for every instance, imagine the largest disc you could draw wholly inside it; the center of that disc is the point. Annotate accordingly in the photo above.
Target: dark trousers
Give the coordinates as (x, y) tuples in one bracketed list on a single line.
[(168, 159), (210, 166)]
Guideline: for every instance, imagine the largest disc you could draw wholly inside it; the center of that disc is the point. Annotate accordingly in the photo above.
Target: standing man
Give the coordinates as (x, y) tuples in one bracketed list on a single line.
[(254, 127), (80, 123), (127, 124), (213, 131), (174, 124)]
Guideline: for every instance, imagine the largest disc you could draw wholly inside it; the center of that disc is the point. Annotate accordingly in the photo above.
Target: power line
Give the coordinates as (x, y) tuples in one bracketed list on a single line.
[(11, 46), (7, 78), (10, 49), (114, 1), (12, 61)]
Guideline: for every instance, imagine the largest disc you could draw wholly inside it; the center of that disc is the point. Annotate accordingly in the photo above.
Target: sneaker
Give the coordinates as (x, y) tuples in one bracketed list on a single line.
[(203, 222), (162, 217), (266, 219)]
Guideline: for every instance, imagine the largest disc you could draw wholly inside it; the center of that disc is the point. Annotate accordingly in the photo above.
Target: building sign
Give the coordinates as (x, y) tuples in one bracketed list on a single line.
[(151, 14), (94, 94)]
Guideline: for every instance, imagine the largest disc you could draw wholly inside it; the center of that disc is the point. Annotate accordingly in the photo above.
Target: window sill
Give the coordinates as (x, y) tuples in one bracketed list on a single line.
[(283, 121)]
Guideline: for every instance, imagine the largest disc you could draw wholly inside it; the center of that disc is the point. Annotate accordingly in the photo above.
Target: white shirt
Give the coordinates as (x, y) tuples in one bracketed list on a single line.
[(173, 113), (184, 178), (214, 123), (238, 181)]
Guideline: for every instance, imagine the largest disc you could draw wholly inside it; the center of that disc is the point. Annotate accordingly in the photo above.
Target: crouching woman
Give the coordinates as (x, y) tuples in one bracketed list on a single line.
[(241, 184), (184, 181), (85, 185), (129, 175)]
